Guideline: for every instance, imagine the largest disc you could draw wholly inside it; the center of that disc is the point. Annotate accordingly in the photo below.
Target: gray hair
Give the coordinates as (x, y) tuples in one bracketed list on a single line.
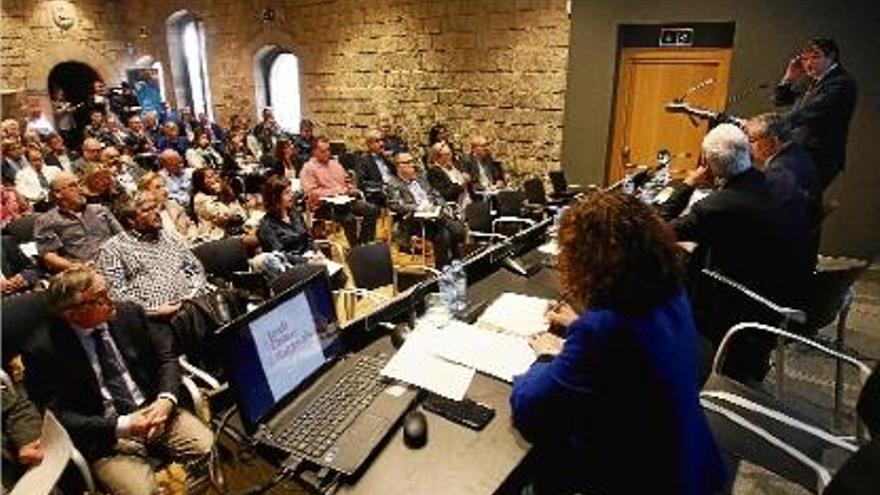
[(125, 210), (770, 124), (726, 151), (66, 288)]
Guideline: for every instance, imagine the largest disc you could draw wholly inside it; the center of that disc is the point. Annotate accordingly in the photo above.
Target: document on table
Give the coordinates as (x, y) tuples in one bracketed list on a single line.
[(497, 354), (515, 314), (338, 199), (551, 248), (417, 363)]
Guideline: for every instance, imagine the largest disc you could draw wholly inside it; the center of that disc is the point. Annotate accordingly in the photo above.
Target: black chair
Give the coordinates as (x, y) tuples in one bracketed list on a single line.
[(511, 209), (478, 217), (561, 188), (23, 315), (226, 263), (536, 195), (22, 228), (751, 424), (371, 266)]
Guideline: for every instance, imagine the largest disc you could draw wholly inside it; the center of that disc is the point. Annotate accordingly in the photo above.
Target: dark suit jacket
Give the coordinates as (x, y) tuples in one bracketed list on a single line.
[(493, 168), (369, 176), (450, 191), (749, 237), (823, 119), (793, 159), (59, 376)]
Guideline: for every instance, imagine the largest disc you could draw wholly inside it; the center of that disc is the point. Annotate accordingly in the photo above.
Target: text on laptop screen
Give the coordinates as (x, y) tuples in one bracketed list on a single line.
[(284, 346)]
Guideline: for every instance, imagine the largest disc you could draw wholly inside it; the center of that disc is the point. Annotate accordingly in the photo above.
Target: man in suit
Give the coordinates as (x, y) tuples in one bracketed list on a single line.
[(485, 171), (112, 380), (748, 237), (824, 97), (407, 194), (374, 171)]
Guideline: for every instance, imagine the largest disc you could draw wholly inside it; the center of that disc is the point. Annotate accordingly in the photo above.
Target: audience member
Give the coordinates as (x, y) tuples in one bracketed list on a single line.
[(33, 180), (147, 265), (138, 139), (22, 425), (56, 154), (391, 138), (304, 141), (36, 120), (99, 186), (10, 129), (449, 181), (202, 153), (115, 134), (13, 159), (91, 155), (152, 127), (174, 216), (71, 233), (408, 194), (323, 177), (629, 349), (178, 179), (187, 125), (95, 128), (19, 271), (112, 379), (215, 133), (171, 139), (13, 204), (374, 171), (218, 211), (485, 171), (63, 112)]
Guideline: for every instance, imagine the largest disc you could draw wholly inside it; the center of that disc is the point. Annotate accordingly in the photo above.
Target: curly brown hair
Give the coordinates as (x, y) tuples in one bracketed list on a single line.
[(616, 253)]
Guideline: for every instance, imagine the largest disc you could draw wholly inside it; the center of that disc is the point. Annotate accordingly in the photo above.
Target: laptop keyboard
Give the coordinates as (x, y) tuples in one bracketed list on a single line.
[(331, 413)]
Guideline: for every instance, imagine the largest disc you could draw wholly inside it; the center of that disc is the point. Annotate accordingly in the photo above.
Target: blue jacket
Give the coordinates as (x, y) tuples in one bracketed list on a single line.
[(618, 411)]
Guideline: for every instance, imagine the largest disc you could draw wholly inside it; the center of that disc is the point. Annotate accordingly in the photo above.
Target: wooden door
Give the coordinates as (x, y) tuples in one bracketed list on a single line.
[(647, 79)]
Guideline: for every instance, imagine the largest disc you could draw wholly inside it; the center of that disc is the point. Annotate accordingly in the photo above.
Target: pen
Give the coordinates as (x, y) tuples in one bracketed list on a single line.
[(563, 299)]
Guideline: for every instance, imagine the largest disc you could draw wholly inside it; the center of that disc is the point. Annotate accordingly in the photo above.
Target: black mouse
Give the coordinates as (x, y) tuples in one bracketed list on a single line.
[(415, 429)]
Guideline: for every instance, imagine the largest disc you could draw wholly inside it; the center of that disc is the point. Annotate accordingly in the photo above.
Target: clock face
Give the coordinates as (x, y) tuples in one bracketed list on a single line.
[(63, 15)]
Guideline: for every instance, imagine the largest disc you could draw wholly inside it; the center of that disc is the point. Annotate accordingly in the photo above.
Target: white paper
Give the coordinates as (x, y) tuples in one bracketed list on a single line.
[(332, 267), (516, 314), (416, 363), (338, 200), (29, 249), (497, 354), (430, 213), (56, 453), (551, 248)]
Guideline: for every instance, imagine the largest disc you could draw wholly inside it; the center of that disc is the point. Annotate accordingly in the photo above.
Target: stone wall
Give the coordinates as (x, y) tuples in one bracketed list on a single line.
[(496, 67)]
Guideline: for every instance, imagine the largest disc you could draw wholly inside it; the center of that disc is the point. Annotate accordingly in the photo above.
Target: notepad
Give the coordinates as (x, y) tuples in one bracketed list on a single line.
[(497, 354), (417, 363), (515, 314)]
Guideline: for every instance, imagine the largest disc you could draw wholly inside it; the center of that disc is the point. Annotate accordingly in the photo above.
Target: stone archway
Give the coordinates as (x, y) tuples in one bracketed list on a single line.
[(43, 63)]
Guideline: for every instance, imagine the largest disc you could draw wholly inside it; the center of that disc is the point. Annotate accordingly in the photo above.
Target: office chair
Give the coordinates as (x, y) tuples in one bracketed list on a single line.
[(478, 218), (746, 421), (561, 188), (23, 315), (510, 208), (536, 196), (226, 263), (371, 267)]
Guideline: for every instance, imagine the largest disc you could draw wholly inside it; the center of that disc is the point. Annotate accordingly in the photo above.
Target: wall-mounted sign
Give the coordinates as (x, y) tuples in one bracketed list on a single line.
[(63, 15), (676, 37)]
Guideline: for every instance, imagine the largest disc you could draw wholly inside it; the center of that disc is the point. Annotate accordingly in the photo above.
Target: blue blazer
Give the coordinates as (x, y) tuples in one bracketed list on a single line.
[(618, 410)]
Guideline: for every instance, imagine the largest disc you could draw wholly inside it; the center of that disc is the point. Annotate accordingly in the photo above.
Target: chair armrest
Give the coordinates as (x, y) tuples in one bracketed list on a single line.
[(864, 370), (83, 467), (791, 314), (822, 473), (487, 235), (778, 417), (202, 375)]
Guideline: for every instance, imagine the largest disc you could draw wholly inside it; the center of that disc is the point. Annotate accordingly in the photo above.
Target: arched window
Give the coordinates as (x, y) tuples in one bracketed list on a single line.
[(276, 73), (189, 62)]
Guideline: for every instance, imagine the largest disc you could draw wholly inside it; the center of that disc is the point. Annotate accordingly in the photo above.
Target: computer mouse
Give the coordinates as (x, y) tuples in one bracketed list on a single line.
[(415, 429)]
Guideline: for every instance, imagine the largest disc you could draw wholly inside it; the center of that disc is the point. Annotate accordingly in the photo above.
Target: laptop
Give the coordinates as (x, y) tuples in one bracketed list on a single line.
[(561, 186), (295, 388)]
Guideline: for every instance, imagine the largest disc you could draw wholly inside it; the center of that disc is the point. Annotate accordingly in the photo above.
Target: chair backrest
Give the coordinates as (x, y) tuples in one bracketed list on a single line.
[(478, 216), (22, 315), (22, 228), (829, 291), (223, 257), (534, 189), (560, 183), (371, 265), (292, 276), (510, 203), (868, 405)]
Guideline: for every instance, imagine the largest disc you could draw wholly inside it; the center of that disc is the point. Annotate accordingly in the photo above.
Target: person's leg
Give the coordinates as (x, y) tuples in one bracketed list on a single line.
[(441, 239), (368, 213), (349, 224), (457, 233), (125, 474), (187, 438)]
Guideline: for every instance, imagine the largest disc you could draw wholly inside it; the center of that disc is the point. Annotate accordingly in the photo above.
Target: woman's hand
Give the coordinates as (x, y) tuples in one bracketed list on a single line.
[(546, 343), (561, 315)]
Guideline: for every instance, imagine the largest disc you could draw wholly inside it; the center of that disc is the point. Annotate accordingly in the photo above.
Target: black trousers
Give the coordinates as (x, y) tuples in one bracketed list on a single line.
[(446, 234), (347, 215)]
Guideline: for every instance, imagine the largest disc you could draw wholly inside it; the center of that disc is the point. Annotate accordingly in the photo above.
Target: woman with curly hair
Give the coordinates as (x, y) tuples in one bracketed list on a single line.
[(616, 408)]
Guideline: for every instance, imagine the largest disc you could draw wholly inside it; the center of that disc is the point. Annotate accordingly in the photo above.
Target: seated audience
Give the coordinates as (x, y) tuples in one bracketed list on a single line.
[(138, 140), (171, 139), (238, 153), (71, 233), (621, 390), (22, 425), (178, 179), (485, 172), (374, 170), (304, 141), (407, 194), (36, 121), (391, 138), (215, 133), (112, 379), (116, 135), (13, 159), (10, 129), (748, 237), (218, 211), (91, 155), (33, 180), (186, 124), (449, 181), (174, 216), (57, 155), (96, 129), (12, 204), (148, 265), (19, 271), (123, 170), (152, 127), (285, 163), (202, 153), (322, 177), (99, 186)]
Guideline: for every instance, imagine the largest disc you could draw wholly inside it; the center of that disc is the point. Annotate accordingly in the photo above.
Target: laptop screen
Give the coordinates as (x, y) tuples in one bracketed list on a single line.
[(281, 345)]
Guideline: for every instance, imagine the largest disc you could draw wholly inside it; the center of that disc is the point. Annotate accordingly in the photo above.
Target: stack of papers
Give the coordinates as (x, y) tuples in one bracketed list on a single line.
[(497, 354), (516, 314), (417, 363)]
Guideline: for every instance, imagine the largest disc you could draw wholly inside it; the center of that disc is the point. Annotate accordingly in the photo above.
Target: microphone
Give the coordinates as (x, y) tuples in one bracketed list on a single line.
[(700, 85)]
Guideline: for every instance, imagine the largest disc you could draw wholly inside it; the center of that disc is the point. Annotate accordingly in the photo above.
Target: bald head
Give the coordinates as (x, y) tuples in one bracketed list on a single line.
[(91, 149), (479, 146), (171, 161), (374, 142)]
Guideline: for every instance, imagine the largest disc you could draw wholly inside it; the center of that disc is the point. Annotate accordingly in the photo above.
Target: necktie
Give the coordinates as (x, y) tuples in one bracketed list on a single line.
[(44, 183), (112, 371)]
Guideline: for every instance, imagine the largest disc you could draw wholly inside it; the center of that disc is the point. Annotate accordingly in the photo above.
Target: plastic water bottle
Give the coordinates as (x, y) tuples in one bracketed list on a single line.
[(446, 285), (629, 186), (459, 278)]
